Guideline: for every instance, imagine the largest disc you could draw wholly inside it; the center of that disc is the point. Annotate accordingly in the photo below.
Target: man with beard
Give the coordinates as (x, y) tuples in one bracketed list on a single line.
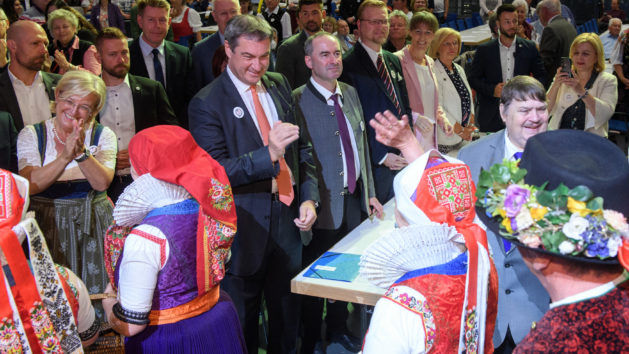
[(290, 55), (133, 102), (334, 121), (377, 76), (25, 90), (516, 56)]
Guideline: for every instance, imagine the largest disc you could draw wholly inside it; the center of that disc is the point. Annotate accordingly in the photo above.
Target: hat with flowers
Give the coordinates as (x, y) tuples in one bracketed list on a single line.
[(567, 196)]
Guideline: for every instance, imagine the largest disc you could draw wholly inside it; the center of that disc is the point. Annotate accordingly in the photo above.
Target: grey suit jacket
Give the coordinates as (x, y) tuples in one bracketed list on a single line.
[(322, 129), (522, 299)]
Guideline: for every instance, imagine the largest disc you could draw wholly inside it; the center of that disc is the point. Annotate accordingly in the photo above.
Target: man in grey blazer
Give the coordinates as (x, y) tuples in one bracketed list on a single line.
[(335, 125), (522, 298)]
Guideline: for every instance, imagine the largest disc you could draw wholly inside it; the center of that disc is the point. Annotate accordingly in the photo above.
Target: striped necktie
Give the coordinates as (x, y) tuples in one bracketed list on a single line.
[(388, 84)]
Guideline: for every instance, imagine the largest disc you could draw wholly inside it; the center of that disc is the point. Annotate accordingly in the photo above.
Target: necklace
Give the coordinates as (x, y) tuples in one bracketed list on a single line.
[(54, 130)]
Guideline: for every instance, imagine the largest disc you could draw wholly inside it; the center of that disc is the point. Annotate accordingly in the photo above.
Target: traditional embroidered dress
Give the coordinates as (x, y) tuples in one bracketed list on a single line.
[(448, 303), (166, 252), (73, 215), (596, 321), (40, 303)]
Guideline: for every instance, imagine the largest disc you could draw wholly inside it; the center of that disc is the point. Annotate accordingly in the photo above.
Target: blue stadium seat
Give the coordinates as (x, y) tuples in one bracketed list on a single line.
[(451, 17), (469, 23), (580, 29), (478, 20), (452, 24), (460, 24)]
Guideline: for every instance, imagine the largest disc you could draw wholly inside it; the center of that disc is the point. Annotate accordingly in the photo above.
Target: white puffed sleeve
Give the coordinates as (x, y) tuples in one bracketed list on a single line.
[(145, 253), (394, 328), (194, 20), (27, 148)]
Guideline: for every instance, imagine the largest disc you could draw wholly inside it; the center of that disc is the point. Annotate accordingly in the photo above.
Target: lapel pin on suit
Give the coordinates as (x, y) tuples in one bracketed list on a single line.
[(238, 112), (137, 88)]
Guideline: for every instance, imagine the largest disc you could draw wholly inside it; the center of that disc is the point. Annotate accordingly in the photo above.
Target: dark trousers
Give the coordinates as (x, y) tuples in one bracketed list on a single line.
[(383, 182), (117, 186), (312, 307), (281, 262)]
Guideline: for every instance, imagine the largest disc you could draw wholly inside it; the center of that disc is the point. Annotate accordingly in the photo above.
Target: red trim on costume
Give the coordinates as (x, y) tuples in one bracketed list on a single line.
[(160, 241)]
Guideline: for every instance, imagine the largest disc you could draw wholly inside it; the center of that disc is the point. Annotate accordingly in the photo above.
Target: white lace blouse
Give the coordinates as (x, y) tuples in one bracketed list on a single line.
[(28, 150)]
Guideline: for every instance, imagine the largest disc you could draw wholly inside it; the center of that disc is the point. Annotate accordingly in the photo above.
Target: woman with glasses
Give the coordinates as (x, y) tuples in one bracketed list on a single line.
[(69, 161), (421, 84)]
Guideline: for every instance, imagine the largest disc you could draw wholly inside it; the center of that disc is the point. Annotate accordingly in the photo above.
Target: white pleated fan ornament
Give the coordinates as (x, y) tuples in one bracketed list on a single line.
[(143, 195), (409, 248)]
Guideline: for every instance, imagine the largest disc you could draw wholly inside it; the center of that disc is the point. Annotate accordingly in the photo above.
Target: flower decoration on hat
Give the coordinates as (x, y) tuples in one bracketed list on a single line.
[(570, 222)]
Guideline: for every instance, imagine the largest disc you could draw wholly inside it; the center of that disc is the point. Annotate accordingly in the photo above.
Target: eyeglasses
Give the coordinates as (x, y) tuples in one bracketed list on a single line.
[(376, 22), (83, 109)]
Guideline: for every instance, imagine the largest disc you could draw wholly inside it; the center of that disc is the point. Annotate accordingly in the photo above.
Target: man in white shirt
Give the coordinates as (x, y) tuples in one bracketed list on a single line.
[(161, 60), (489, 73), (610, 38), (334, 117), (245, 119), (25, 90), (522, 299), (133, 102), (277, 18)]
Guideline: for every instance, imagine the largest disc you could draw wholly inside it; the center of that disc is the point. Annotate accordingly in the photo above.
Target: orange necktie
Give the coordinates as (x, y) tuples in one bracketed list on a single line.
[(284, 184)]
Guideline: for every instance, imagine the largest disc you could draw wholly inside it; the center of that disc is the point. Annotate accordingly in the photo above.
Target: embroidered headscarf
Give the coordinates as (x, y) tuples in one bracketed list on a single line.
[(440, 189), (170, 154)]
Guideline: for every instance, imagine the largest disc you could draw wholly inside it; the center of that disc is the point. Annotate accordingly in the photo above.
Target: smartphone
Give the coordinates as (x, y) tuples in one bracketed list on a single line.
[(566, 66)]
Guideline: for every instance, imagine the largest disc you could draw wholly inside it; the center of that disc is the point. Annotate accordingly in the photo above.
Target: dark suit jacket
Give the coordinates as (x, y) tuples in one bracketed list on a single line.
[(486, 73), (322, 128), (150, 104), (290, 60), (221, 124), (8, 100), (556, 40), (180, 87), (527, 300), (8, 143), (360, 72), (202, 55)]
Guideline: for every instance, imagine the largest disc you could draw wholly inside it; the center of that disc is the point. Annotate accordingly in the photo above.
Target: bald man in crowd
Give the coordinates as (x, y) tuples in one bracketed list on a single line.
[(26, 90), (203, 52)]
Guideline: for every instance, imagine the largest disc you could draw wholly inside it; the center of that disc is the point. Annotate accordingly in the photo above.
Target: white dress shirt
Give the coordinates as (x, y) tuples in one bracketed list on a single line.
[(33, 100), (328, 95), (148, 58), (118, 115), (510, 148), (265, 100), (507, 60)]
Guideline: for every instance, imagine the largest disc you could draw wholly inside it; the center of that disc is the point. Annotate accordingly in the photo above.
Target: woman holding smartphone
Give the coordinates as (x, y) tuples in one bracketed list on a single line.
[(583, 96)]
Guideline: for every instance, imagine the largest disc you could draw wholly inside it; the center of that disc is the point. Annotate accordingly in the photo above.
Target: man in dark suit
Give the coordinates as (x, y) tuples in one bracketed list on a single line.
[(25, 90), (133, 102), (245, 120), (522, 298), (290, 55), (557, 37), (161, 60), (341, 155), (203, 52), (8, 143), (499, 60), (378, 90)]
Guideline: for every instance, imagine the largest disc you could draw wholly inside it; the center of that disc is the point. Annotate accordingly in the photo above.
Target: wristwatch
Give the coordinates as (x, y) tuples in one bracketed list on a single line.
[(84, 156)]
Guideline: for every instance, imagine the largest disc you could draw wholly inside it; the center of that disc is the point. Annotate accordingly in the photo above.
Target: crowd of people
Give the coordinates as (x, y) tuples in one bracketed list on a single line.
[(187, 180)]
